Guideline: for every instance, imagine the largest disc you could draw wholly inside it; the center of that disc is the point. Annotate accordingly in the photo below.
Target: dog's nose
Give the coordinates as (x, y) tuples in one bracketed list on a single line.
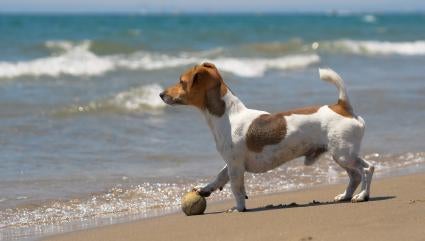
[(162, 94)]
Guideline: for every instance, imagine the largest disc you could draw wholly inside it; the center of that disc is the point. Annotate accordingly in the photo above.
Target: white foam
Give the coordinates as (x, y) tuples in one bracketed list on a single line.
[(137, 98), (66, 45), (150, 61), (369, 18), (76, 59), (379, 47), (140, 99), (257, 67)]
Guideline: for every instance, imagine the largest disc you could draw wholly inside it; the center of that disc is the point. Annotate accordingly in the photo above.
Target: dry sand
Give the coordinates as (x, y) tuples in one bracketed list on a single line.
[(396, 211)]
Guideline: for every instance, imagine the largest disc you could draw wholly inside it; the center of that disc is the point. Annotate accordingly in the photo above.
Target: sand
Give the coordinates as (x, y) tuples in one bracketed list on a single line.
[(396, 211)]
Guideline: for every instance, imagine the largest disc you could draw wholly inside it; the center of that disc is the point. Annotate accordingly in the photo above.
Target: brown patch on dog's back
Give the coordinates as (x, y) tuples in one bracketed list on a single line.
[(265, 130), (270, 129), (301, 111), (343, 108)]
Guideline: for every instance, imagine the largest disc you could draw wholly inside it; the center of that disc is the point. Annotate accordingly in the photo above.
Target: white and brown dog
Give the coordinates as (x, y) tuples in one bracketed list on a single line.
[(257, 141)]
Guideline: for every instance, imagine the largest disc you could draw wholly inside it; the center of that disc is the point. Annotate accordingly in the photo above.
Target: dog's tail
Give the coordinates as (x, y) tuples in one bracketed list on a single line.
[(331, 76)]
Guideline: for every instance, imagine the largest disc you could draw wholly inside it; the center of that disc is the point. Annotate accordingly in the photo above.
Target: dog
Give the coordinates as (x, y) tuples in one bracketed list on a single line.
[(256, 141)]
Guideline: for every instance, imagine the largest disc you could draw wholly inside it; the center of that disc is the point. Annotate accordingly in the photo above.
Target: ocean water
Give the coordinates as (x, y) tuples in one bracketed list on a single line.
[(85, 139)]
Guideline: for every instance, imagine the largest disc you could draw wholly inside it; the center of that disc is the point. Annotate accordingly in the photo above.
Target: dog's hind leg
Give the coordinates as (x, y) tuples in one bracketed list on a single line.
[(355, 179), (366, 169), (349, 163)]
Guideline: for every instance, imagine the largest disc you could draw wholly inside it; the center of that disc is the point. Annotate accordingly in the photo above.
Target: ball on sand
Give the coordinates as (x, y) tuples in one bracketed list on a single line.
[(193, 203)]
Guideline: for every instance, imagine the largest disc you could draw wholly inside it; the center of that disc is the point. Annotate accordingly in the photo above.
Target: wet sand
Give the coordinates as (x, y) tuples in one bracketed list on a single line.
[(396, 211)]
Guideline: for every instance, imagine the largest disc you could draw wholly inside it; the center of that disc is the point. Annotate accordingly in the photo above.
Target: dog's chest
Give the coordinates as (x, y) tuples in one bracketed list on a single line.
[(230, 132), (228, 140)]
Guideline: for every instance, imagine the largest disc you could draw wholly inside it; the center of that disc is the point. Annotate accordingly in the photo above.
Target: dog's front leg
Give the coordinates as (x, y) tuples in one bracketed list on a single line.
[(218, 183), (236, 175)]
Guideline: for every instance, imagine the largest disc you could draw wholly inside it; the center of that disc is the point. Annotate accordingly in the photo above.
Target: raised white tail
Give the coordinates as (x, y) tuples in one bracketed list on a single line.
[(331, 76)]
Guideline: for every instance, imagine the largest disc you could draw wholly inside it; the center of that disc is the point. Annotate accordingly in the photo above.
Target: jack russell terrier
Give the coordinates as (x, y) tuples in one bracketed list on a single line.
[(257, 141)]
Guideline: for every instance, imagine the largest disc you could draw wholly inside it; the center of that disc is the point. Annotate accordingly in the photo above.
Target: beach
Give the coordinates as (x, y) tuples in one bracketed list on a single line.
[(86, 141), (396, 211)]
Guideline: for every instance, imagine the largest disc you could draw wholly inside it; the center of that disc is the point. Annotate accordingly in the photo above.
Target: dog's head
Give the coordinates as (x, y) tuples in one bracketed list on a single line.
[(200, 86)]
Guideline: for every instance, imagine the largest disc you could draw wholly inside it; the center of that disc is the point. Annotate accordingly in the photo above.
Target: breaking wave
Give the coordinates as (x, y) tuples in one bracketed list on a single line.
[(359, 47), (144, 98), (375, 47), (257, 67), (76, 59)]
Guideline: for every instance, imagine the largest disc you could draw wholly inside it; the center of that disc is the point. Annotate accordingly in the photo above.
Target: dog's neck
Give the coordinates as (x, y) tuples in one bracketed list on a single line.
[(221, 125), (233, 105)]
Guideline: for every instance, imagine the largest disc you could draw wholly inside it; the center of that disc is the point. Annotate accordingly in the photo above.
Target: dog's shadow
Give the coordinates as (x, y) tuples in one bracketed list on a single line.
[(310, 204)]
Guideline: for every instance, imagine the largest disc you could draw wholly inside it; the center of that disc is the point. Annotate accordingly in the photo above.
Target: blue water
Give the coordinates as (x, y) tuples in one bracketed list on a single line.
[(84, 134)]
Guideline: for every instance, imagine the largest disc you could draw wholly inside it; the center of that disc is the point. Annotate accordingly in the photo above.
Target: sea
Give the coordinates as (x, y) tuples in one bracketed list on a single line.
[(86, 140)]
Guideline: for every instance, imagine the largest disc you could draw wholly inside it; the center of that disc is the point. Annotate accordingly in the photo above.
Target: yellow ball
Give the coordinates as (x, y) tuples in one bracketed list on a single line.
[(193, 203)]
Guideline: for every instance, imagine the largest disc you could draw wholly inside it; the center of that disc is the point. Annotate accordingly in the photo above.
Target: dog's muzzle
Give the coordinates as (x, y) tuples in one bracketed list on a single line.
[(170, 100)]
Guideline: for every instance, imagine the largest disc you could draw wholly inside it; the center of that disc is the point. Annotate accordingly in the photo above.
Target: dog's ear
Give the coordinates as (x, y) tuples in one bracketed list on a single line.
[(198, 76), (202, 73), (213, 102), (195, 79)]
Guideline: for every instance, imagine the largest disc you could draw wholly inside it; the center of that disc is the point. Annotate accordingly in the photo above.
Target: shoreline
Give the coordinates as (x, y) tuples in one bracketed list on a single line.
[(395, 210)]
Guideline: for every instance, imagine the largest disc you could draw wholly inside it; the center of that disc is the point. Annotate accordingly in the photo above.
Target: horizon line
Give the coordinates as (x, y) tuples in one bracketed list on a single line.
[(206, 12)]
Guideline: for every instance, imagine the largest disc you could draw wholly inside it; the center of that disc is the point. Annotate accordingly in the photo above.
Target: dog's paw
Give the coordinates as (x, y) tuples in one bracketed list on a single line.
[(235, 210), (341, 197), (361, 197), (203, 191)]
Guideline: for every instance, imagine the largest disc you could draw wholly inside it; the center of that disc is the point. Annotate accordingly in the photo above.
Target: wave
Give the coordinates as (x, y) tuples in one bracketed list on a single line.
[(244, 67), (291, 46), (142, 99), (63, 45), (375, 47), (350, 46), (257, 67), (77, 59), (369, 18)]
